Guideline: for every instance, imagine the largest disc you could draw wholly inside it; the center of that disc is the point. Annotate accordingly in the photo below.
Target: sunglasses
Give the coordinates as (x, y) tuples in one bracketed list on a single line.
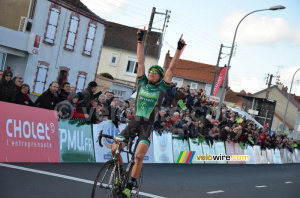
[(8, 75), (152, 71)]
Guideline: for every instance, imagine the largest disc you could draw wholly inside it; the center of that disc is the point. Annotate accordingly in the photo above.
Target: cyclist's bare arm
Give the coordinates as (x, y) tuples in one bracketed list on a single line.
[(140, 54), (174, 62)]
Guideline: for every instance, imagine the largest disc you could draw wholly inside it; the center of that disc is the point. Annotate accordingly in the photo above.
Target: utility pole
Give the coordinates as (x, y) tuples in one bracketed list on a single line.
[(269, 85), (149, 30), (216, 72), (148, 34)]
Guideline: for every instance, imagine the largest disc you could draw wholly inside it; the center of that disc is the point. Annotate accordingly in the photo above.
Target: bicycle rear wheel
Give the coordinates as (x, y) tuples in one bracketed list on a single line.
[(104, 182)]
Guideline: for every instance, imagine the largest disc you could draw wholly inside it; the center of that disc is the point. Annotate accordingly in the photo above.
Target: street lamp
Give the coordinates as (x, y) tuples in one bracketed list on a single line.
[(231, 51), (286, 108)]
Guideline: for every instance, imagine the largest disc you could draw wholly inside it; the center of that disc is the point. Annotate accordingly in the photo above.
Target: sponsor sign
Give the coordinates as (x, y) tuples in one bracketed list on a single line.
[(250, 152), (75, 141), (209, 150), (214, 98), (220, 149), (28, 134), (163, 151), (179, 144), (196, 146)]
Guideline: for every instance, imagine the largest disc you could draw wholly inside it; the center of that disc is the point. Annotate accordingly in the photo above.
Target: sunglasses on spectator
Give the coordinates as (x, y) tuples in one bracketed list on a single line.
[(8, 75), (152, 71)]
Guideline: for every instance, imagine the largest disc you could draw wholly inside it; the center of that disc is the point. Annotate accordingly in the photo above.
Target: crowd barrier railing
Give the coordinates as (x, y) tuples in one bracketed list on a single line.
[(29, 134)]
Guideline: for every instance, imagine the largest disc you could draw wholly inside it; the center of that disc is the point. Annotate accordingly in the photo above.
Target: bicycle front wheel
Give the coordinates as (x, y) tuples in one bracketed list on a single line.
[(104, 182)]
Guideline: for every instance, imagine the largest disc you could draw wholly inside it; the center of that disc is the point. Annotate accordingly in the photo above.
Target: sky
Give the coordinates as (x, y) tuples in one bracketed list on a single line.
[(267, 42)]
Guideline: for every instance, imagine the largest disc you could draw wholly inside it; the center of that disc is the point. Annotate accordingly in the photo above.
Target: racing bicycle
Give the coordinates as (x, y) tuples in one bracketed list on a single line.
[(110, 182)]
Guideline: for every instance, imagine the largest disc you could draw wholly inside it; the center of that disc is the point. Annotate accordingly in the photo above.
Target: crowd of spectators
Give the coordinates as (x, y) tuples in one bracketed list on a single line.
[(87, 105), (191, 114), (184, 112)]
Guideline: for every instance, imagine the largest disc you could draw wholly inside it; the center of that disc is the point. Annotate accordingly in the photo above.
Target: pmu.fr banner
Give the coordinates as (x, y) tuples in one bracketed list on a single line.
[(75, 141), (220, 80), (28, 134)]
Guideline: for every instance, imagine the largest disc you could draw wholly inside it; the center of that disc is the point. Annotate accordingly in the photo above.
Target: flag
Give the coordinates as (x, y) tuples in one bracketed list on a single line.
[(220, 80)]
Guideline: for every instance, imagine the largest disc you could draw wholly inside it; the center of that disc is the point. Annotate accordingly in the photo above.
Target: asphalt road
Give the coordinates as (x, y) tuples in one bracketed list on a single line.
[(160, 180)]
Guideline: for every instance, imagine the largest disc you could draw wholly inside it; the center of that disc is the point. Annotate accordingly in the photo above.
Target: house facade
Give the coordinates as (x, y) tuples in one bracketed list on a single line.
[(58, 40), (279, 94), (119, 58)]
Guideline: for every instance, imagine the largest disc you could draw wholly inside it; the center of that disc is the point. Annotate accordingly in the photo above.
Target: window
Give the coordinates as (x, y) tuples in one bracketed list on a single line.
[(62, 77), (132, 66), (41, 79), (80, 83), (118, 93), (208, 89), (179, 81), (113, 59), (72, 33), (194, 85), (2, 60), (52, 25), (89, 40)]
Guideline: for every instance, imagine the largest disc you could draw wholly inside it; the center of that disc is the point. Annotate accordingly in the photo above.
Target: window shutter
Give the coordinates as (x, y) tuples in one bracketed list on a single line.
[(52, 25), (72, 33), (90, 39), (80, 83), (41, 78)]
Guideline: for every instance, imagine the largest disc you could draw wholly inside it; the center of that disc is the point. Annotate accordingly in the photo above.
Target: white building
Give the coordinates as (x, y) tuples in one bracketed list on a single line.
[(58, 40)]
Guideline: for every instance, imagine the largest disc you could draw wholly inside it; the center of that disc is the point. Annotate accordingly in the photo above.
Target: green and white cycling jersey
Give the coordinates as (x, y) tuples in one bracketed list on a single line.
[(149, 97)]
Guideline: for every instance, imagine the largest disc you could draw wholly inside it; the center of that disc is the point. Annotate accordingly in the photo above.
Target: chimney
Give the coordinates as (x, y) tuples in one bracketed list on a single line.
[(279, 85)]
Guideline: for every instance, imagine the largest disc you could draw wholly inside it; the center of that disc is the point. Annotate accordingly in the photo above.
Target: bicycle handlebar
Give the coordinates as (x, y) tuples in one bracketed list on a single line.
[(117, 139)]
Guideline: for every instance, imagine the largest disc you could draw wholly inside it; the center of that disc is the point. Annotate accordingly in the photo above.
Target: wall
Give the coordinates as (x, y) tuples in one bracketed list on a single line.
[(118, 71), (55, 55), (11, 12), (281, 101)]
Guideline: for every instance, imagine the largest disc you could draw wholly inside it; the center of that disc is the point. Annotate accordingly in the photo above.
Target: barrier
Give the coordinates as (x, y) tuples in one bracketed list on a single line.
[(270, 156), (179, 144), (75, 141), (250, 151), (209, 150), (238, 151), (283, 156), (39, 137), (220, 149), (263, 157), (257, 154), (277, 157), (196, 146), (28, 134), (163, 151)]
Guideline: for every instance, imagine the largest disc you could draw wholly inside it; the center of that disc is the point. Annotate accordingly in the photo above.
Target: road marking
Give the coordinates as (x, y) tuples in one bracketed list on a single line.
[(261, 186), (288, 182), (214, 192), (66, 177)]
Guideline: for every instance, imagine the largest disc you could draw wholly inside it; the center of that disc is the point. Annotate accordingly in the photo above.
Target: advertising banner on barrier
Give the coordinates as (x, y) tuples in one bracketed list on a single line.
[(220, 149), (276, 156), (249, 151), (75, 141), (270, 156), (103, 154), (238, 151), (283, 156), (263, 157), (163, 151), (149, 157), (257, 153), (179, 144), (195, 145), (230, 150), (289, 156), (28, 134), (209, 150), (297, 156)]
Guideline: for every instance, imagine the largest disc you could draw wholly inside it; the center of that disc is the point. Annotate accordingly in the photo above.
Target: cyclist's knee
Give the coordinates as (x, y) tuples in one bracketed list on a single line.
[(139, 156)]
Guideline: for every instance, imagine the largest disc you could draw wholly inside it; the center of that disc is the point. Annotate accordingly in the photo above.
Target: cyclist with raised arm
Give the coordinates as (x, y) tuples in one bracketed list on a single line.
[(150, 93)]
